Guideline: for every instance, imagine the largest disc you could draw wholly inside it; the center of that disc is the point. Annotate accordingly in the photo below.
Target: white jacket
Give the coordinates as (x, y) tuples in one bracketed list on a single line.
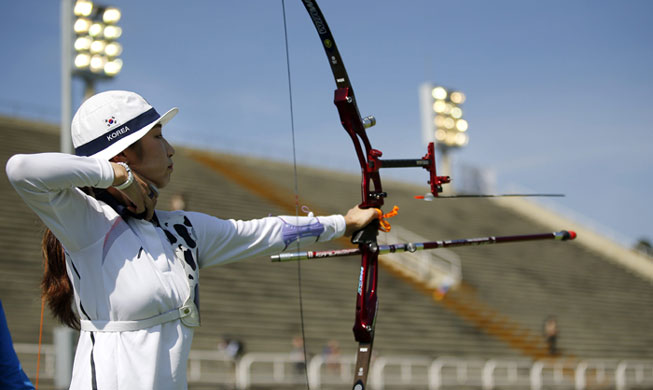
[(126, 270)]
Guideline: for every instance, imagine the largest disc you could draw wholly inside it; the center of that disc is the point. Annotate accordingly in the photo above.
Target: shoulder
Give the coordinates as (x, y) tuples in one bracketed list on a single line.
[(190, 219), (164, 215)]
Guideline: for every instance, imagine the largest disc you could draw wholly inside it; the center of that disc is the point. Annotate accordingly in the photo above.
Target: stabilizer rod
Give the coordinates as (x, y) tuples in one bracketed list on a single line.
[(562, 235)]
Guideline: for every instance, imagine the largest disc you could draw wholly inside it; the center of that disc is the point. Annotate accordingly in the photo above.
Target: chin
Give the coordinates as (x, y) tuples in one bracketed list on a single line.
[(163, 183)]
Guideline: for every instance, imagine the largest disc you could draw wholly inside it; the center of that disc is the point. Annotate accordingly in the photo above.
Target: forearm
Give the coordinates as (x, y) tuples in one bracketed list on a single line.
[(48, 183), (51, 172), (222, 241)]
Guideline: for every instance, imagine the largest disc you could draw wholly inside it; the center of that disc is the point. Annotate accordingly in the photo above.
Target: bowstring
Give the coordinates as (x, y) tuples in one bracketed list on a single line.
[(38, 358), (296, 190)]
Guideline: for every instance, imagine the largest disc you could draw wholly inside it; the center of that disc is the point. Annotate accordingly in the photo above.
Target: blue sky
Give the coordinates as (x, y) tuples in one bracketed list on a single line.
[(557, 91)]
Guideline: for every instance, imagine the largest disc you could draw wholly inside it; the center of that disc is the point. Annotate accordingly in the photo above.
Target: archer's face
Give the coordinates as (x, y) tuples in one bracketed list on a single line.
[(155, 160)]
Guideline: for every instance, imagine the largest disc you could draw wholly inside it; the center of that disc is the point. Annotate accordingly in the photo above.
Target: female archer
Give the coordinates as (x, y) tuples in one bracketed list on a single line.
[(131, 271)]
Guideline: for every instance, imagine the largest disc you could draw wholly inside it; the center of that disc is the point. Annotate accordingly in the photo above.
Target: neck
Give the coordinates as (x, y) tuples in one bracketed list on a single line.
[(119, 202), (119, 196)]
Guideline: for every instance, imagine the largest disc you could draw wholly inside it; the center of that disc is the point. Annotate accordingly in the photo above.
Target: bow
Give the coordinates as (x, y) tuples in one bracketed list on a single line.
[(371, 191), (372, 196)]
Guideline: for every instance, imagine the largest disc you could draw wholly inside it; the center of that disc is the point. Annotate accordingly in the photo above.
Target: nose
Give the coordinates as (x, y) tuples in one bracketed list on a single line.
[(170, 149)]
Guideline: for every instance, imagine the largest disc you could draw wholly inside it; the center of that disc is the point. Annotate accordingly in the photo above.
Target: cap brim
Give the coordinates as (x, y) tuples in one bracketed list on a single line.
[(124, 143)]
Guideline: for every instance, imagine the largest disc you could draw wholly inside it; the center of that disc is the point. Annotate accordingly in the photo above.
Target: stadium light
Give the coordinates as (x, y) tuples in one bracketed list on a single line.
[(96, 48), (442, 116)]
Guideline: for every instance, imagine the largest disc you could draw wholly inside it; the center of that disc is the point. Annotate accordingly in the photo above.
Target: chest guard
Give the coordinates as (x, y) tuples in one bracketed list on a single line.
[(182, 237), (183, 240)]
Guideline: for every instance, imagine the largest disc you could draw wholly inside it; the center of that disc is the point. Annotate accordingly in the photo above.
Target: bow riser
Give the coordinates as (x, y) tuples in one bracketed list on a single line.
[(353, 125), (366, 299)]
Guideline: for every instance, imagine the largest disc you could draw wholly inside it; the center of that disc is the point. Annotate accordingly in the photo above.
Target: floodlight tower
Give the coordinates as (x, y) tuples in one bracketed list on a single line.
[(90, 51), (92, 35)]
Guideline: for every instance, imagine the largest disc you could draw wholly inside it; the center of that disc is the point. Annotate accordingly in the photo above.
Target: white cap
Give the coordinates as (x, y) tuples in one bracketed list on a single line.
[(107, 123)]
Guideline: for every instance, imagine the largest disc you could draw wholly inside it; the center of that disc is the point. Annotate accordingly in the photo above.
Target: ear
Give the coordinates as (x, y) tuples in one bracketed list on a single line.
[(120, 157)]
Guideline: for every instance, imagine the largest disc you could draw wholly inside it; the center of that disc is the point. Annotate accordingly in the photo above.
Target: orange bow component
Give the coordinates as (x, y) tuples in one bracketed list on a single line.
[(384, 225)]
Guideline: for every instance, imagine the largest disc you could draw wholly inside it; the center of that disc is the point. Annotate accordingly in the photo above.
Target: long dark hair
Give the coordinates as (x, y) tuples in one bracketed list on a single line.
[(56, 287)]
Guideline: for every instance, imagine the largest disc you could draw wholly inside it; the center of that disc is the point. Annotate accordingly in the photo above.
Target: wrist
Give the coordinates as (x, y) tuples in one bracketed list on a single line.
[(130, 177)]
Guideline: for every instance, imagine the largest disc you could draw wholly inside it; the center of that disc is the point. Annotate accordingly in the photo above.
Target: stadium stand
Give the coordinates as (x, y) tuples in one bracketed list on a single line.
[(602, 308)]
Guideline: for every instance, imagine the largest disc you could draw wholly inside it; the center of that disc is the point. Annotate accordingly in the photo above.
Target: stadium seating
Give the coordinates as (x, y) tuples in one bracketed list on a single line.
[(603, 310)]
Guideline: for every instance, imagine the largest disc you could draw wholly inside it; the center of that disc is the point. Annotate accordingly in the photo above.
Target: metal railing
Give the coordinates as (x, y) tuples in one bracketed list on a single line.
[(393, 372), (28, 354)]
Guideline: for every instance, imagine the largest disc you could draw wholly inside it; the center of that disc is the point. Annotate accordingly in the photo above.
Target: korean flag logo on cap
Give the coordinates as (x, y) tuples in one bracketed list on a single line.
[(111, 121)]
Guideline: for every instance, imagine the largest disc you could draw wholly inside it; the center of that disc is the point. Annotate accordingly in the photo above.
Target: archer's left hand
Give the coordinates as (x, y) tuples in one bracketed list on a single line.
[(358, 218)]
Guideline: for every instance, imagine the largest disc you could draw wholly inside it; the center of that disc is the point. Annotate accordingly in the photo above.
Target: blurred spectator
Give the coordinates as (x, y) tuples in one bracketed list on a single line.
[(644, 246), (297, 355), (12, 376), (551, 334), (331, 354), (233, 348), (178, 202)]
